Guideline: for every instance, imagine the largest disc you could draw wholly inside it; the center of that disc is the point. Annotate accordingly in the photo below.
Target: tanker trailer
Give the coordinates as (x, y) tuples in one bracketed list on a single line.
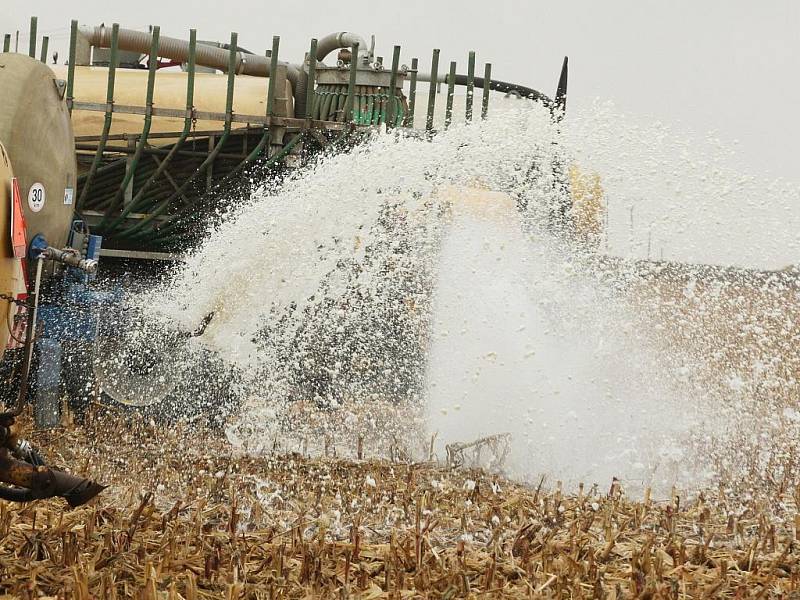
[(12, 283), (53, 256), (24, 475), (145, 180), (154, 145), (149, 153)]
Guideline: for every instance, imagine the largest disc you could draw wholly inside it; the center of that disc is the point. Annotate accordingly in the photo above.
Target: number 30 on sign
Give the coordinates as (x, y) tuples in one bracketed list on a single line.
[(36, 197)]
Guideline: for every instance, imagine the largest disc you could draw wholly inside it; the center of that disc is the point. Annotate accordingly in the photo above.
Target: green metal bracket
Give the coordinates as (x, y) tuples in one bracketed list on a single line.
[(136, 202), (166, 234), (432, 91), (451, 86), (266, 136), (312, 74), (73, 41), (487, 78), (112, 69), (45, 44), (350, 106), (32, 43), (273, 68), (148, 119), (136, 232), (470, 85), (390, 110), (412, 93)]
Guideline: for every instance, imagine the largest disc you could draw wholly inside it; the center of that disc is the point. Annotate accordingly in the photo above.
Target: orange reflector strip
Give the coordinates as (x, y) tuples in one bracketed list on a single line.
[(18, 237)]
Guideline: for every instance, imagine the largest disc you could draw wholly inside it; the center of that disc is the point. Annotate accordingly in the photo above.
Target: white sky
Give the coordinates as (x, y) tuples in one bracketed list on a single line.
[(728, 66)]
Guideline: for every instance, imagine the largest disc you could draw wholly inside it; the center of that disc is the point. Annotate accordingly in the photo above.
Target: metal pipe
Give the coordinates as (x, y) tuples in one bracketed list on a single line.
[(448, 113), (432, 90), (73, 42), (32, 43), (487, 76), (178, 50), (390, 111), (412, 93), (30, 337), (7, 42), (495, 85), (152, 151), (45, 44), (341, 39), (71, 258), (112, 69), (470, 85)]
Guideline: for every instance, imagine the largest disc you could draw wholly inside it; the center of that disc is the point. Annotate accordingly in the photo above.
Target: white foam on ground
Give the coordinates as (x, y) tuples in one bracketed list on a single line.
[(524, 336), (524, 342)]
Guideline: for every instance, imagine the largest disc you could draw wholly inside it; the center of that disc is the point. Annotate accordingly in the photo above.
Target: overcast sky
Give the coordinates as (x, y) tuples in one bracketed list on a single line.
[(728, 66)]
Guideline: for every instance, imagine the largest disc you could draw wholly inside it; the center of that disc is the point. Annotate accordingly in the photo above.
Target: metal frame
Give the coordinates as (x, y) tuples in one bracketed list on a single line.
[(146, 191)]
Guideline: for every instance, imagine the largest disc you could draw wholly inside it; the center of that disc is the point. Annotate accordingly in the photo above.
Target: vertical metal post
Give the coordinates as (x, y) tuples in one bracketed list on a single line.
[(487, 78), (412, 93), (32, 42), (273, 72), (45, 44), (124, 194), (234, 49), (190, 70), (101, 144), (267, 135), (214, 145), (312, 73), (391, 113), (112, 67), (432, 91), (73, 42), (350, 105), (7, 42), (470, 84), (451, 86), (187, 125)]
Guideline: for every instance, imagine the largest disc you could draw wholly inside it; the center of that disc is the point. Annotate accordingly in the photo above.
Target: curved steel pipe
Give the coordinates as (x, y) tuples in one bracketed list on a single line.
[(494, 84), (338, 40), (178, 50)]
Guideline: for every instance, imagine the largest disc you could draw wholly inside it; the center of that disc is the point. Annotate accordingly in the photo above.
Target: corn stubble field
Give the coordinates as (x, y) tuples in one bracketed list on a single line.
[(185, 518)]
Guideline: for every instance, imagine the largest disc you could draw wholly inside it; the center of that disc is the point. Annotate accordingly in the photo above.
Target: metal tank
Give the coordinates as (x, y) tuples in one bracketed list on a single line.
[(36, 130), (12, 283), (169, 92)]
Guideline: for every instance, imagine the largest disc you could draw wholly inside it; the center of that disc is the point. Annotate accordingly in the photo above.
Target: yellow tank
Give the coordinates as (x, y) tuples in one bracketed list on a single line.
[(210, 89), (588, 208), (12, 281), (36, 130)]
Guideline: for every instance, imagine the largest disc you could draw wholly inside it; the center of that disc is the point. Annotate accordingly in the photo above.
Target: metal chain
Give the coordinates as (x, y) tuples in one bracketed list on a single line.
[(15, 301)]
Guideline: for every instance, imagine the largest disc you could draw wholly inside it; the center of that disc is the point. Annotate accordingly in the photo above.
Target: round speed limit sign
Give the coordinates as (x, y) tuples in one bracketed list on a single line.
[(36, 197)]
